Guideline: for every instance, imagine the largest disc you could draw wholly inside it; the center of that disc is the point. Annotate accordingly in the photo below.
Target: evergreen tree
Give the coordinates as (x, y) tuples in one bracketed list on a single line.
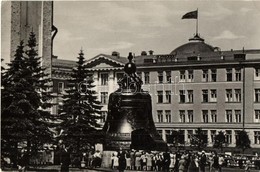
[(242, 140), (220, 141), (80, 109), (25, 99), (199, 140)]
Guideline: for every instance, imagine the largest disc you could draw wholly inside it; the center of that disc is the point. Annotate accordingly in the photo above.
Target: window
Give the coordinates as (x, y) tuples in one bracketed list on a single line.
[(168, 135), (190, 96), (168, 77), (228, 95), (159, 132), (257, 115), (160, 97), (190, 134), (103, 116), (257, 95), (146, 77), (229, 136), (257, 73), (190, 76), (205, 96), (229, 116), (229, 74), (212, 135), (213, 116), (190, 116), (182, 76), (238, 74), (160, 77), (238, 116), (60, 87), (182, 96), (213, 75), (104, 97), (119, 76), (160, 115), (257, 137), (104, 79), (205, 116), (213, 95), (168, 116), (182, 116), (205, 75), (168, 96), (237, 134), (237, 95)]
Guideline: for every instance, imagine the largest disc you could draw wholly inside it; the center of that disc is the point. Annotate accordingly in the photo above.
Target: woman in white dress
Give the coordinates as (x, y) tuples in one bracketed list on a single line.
[(173, 160), (116, 162)]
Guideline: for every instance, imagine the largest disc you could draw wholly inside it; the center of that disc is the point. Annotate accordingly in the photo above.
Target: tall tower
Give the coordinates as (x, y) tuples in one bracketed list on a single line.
[(36, 16)]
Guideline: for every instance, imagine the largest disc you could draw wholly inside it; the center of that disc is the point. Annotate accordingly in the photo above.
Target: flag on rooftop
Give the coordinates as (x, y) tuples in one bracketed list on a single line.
[(191, 15)]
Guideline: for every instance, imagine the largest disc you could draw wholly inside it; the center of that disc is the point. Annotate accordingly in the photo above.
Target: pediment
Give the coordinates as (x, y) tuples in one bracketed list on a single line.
[(103, 62)]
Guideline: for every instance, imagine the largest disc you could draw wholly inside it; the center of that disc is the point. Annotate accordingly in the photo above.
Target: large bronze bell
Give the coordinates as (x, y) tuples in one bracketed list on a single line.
[(129, 122)]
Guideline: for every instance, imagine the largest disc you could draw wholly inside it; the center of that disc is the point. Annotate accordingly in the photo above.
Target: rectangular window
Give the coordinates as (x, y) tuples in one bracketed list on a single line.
[(237, 95), (103, 116), (190, 96), (159, 96), (190, 134), (182, 76), (238, 74), (182, 96), (168, 116), (205, 96), (146, 77), (205, 75), (213, 95), (160, 115), (257, 137), (104, 97), (229, 116), (212, 135), (205, 116), (238, 116), (119, 76), (60, 87), (182, 116), (213, 116), (160, 77), (257, 95), (228, 95), (168, 96), (213, 75), (190, 116), (229, 74), (229, 136), (104, 78), (168, 77), (257, 73), (257, 115), (190, 76)]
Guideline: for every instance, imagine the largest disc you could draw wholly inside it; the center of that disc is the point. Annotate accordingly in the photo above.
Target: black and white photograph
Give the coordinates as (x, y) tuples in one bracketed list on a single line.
[(130, 85)]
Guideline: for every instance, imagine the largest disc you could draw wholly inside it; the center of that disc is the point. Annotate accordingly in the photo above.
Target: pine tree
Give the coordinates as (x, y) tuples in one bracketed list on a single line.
[(220, 141), (80, 110), (242, 140)]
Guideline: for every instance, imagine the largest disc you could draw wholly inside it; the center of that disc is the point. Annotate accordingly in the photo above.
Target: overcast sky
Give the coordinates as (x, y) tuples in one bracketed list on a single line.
[(128, 26)]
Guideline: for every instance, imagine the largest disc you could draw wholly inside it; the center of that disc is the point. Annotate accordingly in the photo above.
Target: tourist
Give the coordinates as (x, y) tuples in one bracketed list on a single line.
[(203, 161), (194, 164), (115, 161), (128, 160), (97, 159), (221, 162), (149, 163), (90, 158), (64, 159), (181, 164), (132, 157), (215, 165), (143, 161), (173, 159), (121, 160), (178, 158), (166, 161), (138, 160), (247, 165)]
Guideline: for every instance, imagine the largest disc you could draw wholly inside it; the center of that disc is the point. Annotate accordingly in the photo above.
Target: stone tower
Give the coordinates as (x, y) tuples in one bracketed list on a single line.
[(36, 16)]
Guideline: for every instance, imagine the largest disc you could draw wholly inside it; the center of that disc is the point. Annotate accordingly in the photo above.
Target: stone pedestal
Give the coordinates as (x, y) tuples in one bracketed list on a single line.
[(106, 159)]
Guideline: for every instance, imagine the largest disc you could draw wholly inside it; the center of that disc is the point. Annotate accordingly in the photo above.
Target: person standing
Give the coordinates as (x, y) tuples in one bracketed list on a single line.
[(64, 159), (194, 165), (215, 165), (182, 164), (166, 161), (203, 161), (122, 160)]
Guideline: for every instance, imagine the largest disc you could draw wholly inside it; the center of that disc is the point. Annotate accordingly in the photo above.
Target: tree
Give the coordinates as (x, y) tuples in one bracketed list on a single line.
[(242, 140), (220, 141), (25, 98), (80, 109), (199, 140)]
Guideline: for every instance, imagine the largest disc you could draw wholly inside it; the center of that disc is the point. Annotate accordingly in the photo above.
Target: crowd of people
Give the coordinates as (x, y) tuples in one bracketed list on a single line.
[(167, 161)]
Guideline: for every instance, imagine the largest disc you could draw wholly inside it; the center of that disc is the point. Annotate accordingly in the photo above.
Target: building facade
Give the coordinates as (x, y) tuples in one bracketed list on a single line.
[(195, 86)]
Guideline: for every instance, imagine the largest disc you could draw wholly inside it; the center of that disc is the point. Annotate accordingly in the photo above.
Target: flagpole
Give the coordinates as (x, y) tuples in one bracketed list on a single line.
[(197, 26)]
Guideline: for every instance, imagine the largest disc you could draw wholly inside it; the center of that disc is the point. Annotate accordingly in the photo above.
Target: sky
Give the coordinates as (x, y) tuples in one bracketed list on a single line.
[(134, 26)]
